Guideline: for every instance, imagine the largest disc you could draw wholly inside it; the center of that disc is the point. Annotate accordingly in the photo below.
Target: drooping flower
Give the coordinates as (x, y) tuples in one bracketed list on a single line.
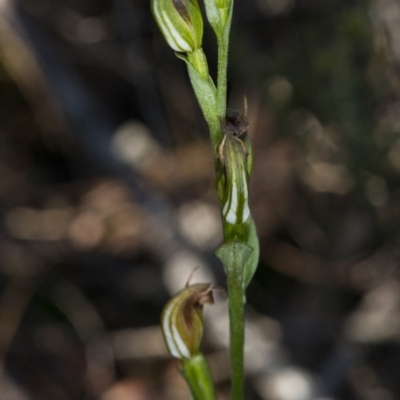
[(182, 319)]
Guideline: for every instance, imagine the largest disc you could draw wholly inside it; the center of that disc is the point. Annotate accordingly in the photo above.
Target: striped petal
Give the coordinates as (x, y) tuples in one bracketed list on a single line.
[(234, 192), (180, 22), (182, 319)]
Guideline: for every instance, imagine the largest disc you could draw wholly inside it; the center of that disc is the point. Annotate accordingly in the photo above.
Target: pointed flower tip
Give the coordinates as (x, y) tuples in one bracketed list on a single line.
[(180, 22), (218, 13), (182, 319), (224, 5)]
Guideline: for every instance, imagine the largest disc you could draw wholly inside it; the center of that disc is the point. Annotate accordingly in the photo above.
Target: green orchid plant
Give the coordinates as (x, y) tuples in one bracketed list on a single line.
[(181, 23)]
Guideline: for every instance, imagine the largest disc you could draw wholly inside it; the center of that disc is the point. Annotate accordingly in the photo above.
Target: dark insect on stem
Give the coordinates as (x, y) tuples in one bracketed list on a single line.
[(236, 122), (234, 128)]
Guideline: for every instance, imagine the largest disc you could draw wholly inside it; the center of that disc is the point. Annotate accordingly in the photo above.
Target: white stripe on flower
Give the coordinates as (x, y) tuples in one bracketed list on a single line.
[(231, 208), (172, 36), (175, 344)]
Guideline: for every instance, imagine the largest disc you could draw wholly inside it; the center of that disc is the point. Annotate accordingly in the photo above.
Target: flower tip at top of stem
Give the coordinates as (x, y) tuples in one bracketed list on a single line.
[(225, 7), (180, 22), (218, 12)]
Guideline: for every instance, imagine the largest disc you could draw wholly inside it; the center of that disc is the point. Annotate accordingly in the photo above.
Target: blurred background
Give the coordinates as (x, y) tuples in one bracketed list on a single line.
[(107, 199)]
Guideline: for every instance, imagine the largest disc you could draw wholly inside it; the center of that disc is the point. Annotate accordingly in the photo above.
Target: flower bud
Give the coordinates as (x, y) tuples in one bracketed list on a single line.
[(218, 12), (224, 5), (182, 319), (233, 182), (180, 22)]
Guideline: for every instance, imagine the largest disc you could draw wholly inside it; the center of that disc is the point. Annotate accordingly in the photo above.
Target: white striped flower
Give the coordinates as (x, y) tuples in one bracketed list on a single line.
[(182, 319), (233, 186), (180, 22)]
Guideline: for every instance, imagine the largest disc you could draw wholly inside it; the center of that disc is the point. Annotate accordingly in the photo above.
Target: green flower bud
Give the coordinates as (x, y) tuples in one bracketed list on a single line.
[(180, 22), (218, 12), (233, 180), (182, 319)]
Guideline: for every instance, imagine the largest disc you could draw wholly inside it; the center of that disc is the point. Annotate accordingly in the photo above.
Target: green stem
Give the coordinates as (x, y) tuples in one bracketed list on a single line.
[(234, 268), (223, 46), (199, 378), (236, 329), (222, 74), (234, 256)]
